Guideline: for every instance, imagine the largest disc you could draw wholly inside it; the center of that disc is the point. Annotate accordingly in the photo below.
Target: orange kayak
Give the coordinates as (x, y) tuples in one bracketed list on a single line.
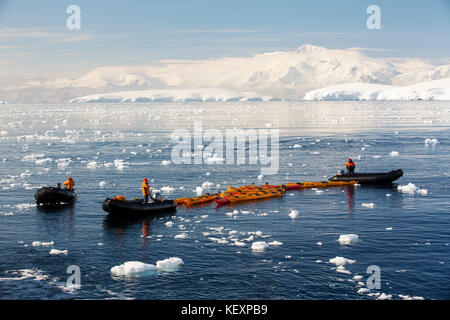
[(200, 200), (321, 184)]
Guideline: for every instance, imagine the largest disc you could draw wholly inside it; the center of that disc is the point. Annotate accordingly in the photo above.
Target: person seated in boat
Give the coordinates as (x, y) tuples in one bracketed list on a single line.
[(69, 184), (146, 191), (350, 166), (158, 197), (58, 185)]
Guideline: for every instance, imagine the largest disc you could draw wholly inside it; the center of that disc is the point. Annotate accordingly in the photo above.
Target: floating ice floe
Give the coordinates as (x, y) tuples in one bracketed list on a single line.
[(92, 165), (170, 264), (368, 205), (394, 154), (357, 277), (120, 164), (32, 157), (43, 161), (42, 244), (411, 188), (347, 239), (259, 246), (275, 243), (181, 236), (384, 296), (134, 268), (167, 189), (207, 185), (102, 184), (169, 224), (431, 142), (406, 297), (363, 290), (198, 191), (293, 214), (57, 252), (341, 261), (165, 162), (341, 269)]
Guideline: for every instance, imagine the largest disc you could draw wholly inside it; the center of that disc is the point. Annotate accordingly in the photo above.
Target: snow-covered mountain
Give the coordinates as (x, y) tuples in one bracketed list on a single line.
[(280, 74), (430, 90)]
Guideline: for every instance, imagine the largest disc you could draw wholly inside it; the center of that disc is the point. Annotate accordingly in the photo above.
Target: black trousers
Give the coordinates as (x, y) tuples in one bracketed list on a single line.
[(351, 170)]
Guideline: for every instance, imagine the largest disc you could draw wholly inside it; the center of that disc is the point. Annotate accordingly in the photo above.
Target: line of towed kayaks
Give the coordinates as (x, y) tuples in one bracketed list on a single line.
[(121, 206)]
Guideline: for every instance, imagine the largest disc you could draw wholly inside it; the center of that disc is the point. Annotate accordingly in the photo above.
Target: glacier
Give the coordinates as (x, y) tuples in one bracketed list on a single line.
[(173, 95), (430, 90)]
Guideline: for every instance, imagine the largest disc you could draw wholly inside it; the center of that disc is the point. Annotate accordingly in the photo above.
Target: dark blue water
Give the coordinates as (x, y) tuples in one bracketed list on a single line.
[(406, 235)]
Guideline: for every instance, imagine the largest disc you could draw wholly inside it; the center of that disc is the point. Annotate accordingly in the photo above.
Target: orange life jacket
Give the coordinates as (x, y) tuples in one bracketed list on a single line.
[(145, 189), (350, 164), (69, 184)]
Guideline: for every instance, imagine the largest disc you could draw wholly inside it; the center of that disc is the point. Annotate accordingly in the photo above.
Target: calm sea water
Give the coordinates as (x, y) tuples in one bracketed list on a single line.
[(406, 235)]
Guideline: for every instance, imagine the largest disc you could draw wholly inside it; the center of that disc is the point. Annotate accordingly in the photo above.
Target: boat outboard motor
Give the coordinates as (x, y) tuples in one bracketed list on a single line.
[(340, 173)]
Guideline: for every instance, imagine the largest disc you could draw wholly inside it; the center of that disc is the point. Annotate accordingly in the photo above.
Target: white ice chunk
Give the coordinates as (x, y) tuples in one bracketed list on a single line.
[(207, 185), (167, 189), (384, 296), (259, 246), (56, 251), (134, 269), (293, 214), (346, 239), (341, 261), (275, 243), (394, 154), (368, 205), (170, 264)]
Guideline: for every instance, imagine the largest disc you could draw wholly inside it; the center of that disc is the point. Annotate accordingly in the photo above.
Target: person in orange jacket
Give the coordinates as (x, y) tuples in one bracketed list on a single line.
[(145, 190), (350, 166), (69, 183)]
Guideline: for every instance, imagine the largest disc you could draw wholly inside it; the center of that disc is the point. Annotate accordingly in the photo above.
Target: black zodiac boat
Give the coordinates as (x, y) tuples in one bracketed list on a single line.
[(52, 195), (137, 207), (370, 178)]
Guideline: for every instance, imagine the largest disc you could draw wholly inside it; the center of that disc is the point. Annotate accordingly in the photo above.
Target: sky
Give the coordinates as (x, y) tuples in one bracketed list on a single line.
[(35, 42)]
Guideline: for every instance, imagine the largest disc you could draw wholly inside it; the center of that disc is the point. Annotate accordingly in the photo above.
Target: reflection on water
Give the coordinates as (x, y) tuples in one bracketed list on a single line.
[(349, 194), (111, 221)]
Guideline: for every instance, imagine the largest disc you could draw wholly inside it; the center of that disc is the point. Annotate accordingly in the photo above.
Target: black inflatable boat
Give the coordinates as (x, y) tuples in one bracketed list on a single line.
[(370, 178), (137, 207), (52, 195)]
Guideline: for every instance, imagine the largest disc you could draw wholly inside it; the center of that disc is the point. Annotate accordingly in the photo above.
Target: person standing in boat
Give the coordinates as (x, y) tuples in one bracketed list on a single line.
[(69, 184), (145, 190), (350, 166)]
